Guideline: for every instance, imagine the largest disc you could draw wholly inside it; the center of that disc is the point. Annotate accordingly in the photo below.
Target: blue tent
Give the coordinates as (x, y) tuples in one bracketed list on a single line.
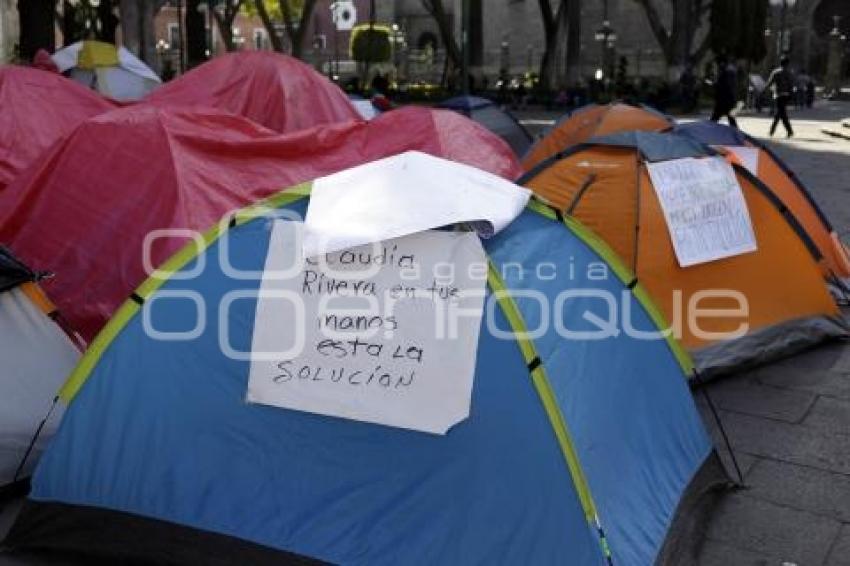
[(713, 133), (575, 451), (491, 116)]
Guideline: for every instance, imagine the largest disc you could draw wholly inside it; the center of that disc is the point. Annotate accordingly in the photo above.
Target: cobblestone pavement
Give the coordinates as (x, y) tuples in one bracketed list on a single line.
[(789, 422)]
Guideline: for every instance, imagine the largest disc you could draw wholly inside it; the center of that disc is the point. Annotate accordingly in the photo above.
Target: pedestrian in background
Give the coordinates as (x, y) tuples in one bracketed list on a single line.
[(782, 81), (725, 91)]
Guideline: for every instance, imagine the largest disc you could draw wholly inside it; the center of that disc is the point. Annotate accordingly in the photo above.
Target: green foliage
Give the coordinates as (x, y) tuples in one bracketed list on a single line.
[(371, 45), (274, 9)]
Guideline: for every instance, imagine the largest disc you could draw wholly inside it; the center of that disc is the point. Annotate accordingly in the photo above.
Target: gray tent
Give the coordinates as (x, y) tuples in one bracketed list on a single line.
[(491, 116)]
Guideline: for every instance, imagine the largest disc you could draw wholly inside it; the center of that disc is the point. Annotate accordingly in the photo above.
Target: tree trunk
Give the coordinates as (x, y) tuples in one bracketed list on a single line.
[(295, 33), (573, 43), (438, 12), (36, 27), (298, 40), (108, 21), (277, 43), (550, 32), (130, 25), (675, 43), (196, 34), (225, 21), (68, 23), (680, 39), (147, 34)]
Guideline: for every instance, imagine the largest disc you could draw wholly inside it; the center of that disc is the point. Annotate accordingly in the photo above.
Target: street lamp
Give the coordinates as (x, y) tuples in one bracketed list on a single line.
[(399, 44), (605, 33), (606, 37)]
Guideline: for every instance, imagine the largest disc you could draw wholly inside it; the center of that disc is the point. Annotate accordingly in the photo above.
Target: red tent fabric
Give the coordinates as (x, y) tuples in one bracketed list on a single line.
[(277, 91), (37, 108), (83, 212)]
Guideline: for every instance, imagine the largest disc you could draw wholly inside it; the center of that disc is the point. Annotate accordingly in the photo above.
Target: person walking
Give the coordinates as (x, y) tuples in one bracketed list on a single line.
[(725, 89), (782, 81)]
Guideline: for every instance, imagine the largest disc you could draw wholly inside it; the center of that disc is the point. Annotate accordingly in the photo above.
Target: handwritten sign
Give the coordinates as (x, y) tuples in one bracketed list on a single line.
[(704, 208), (384, 333)]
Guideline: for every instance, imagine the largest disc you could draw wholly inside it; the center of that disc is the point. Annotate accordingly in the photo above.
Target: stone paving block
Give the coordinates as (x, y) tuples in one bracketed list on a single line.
[(799, 375), (833, 356), (828, 414), (793, 443), (745, 461), (759, 526), (716, 553), (822, 493), (753, 398), (840, 553)]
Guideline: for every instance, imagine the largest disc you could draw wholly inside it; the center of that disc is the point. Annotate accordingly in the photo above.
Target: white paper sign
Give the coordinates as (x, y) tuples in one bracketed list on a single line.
[(748, 156), (404, 194), (384, 333), (704, 208)]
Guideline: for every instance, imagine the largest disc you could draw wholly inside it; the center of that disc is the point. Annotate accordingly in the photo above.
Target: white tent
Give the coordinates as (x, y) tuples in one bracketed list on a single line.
[(37, 356), (112, 71)]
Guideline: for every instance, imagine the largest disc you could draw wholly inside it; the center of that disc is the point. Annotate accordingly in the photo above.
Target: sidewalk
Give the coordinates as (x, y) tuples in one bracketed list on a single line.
[(789, 422)]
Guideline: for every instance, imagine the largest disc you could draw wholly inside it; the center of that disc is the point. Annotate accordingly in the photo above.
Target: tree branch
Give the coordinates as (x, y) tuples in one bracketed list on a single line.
[(658, 30), (288, 22), (298, 39), (438, 12), (549, 21), (277, 44)]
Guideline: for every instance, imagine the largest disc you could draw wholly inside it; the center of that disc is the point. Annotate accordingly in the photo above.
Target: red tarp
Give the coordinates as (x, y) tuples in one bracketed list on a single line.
[(37, 108), (84, 210), (274, 90)]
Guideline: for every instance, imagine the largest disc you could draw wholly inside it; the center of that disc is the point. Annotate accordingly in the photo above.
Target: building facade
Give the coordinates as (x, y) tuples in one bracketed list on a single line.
[(507, 35)]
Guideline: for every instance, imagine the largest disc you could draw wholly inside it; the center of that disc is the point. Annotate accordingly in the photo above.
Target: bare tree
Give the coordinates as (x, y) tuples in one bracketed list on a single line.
[(552, 21), (224, 19), (573, 22), (676, 37), (137, 26), (295, 16), (437, 11), (36, 20)]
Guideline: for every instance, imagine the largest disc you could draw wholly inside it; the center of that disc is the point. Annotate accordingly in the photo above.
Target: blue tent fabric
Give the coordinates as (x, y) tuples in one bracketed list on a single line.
[(466, 103), (598, 384), (160, 430), (491, 116), (711, 133), (656, 146)]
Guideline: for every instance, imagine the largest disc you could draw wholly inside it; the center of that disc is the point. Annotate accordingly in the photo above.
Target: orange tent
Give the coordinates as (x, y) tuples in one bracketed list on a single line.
[(594, 120), (783, 302), (782, 181)]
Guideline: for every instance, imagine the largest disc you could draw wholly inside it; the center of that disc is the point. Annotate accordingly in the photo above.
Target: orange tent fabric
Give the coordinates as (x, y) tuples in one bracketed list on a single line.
[(37, 109), (607, 187), (274, 90), (85, 210), (594, 120), (785, 184)]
